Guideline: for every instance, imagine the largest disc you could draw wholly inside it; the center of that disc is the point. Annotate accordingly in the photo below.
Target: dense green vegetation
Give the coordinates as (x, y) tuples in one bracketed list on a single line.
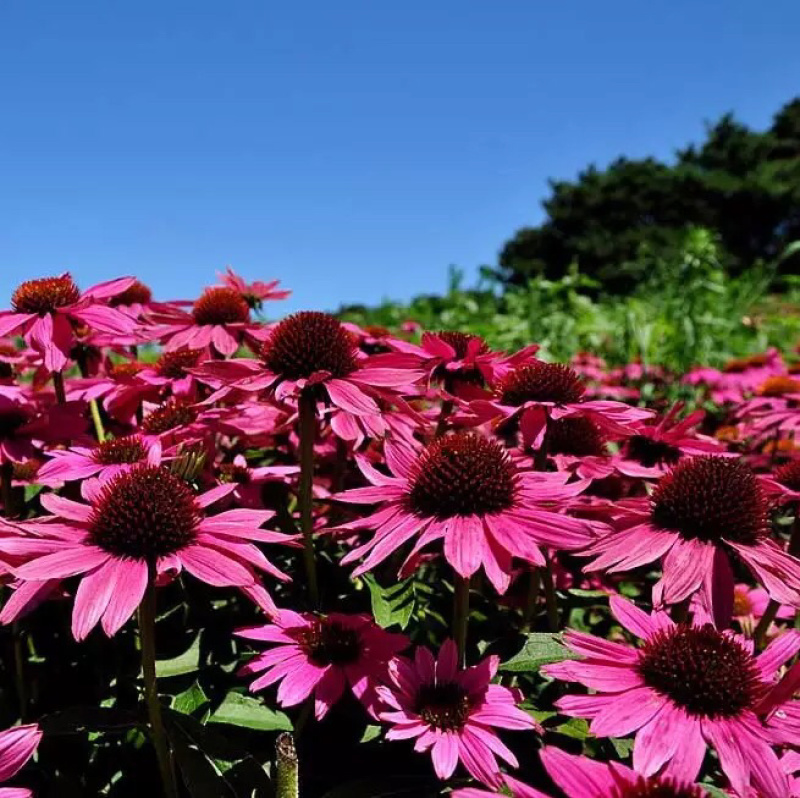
[(741, 183), (687, 310)]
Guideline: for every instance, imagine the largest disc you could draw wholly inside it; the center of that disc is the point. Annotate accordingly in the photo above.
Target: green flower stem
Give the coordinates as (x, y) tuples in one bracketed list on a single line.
[(760, 633), (308, 428), (461, 616), (147, 635)]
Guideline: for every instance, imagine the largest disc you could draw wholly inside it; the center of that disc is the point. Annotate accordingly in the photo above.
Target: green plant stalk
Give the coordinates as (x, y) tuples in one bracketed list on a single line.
[(147, 636), (444, 414), (7, 488), (550, 597), (531, 599), (308, 423), (287, 775), (460, 616), (760, 633), (97, 420)]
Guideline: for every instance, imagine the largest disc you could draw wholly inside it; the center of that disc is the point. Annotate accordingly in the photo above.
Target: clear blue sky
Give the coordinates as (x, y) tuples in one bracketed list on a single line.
[(351, 149)]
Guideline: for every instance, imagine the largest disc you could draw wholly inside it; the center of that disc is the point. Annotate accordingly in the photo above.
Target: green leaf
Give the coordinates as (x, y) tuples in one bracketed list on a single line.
[(577, 728), (393, 605), (190, 700), (623, 746), (250, 713), (32, 491), (188, 662), (715, 792), (370, 733), (540, 649)]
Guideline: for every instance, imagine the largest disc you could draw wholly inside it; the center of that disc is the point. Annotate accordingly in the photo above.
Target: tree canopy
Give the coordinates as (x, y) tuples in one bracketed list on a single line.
[(741, 183)]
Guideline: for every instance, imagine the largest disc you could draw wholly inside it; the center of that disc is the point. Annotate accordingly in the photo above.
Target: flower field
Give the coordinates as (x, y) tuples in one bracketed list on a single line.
[(308, 557)]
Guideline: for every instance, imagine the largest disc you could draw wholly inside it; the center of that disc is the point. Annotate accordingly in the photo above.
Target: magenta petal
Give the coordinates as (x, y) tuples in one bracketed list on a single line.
[(577, 776), (686, 566), (445, 755), (75, 560), (213, 567), (627, 712), (688, 756), (351, 398), (463, 544), (16, 748), (657, 741), (91, 599), (130, 582)]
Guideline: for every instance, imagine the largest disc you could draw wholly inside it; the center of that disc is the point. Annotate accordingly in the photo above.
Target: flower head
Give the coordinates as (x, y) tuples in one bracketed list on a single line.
[(685, 687), (465, 489), (452, 712), (142, 517), (322, 655), (701, 513)]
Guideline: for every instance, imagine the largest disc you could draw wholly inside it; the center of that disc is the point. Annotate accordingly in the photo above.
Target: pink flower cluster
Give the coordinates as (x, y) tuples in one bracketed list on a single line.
[(313, 465)]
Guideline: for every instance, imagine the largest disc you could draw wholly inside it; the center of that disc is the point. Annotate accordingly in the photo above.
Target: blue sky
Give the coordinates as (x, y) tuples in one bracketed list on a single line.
[(351, 149)]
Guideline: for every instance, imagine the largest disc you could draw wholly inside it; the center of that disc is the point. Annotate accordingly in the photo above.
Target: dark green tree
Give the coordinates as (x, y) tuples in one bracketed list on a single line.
[(743, 184)]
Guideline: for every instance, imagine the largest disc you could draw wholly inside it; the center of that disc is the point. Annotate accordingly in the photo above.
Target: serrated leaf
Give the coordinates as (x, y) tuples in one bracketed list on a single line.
[(188, 662), (392, 605), (250, 713), (540, 649)]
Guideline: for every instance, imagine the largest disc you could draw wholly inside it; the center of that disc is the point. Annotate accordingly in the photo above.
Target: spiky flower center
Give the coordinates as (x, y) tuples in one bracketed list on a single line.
[(701, 669), (460, 341), (329, 642), (220, 306), (540, 382), (144, 514), (778, 386), (577, 436), (45, 295), (789, 475), (232, 472), (173, 365), (462, 474), (657, 787), (444, 706), (119, 451), (169, 415), (650, 452), (135, 294), (307, 342), (711, 498)]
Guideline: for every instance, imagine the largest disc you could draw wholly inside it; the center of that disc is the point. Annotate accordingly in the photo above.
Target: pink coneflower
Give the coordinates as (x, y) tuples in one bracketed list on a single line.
[(219, 319), (16, 748), (460, 361), (738, 377), (322, 655), (44, 311), (105, 460), (255, 293), (534, 393), (581, 777), (654, 448), (171, 372), (685, 688), (453, 712), (703, 512), (310, 350), (142, 516), (465, 489)]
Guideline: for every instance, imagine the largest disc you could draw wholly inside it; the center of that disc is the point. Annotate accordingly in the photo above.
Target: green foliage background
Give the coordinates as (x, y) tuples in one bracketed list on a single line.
[(686, 310)]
